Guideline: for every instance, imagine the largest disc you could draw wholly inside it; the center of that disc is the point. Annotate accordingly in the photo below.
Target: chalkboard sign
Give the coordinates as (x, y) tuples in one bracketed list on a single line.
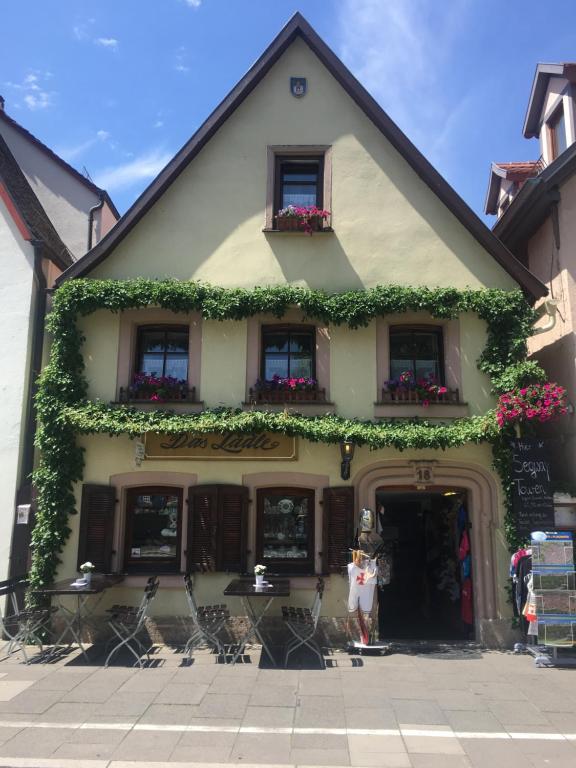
[(532, 494)]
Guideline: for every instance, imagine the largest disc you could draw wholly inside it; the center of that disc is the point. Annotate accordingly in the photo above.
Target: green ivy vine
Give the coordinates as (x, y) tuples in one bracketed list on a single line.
[(64, 410)]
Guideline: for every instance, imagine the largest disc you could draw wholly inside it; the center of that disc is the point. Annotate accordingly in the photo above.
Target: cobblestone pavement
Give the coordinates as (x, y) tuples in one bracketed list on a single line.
[(455, 707)]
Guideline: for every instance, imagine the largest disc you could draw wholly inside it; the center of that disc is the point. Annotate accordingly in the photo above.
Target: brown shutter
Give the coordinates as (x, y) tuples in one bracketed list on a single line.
[(202, 528), (232, 527), (338, 527), (217, 528), (97, 526)]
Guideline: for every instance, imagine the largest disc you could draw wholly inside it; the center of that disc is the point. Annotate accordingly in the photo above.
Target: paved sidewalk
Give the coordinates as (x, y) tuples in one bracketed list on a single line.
[(460, 707)]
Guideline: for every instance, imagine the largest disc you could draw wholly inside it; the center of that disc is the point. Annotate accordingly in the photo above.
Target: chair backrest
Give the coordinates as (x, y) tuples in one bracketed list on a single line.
[(149, 594), (189, 587), (317, 605), (14, 589)]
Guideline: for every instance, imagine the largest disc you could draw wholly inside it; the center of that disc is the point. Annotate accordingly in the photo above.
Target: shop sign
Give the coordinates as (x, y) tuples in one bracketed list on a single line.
[(532, 494), (229, 447)]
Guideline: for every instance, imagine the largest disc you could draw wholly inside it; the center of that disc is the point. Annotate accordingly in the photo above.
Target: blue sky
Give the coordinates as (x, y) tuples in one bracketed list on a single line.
[(117, 86)]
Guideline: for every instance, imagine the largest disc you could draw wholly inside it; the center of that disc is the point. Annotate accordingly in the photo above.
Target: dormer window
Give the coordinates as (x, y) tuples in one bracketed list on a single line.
[(557, 133)]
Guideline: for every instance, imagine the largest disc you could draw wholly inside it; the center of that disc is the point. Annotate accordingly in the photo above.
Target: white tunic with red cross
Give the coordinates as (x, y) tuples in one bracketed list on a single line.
[(362, 584)]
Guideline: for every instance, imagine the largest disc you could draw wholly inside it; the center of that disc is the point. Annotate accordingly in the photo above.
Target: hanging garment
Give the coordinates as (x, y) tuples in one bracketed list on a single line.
[(362, 582), (466, 567), (384, 570), (522, 552), (523, 570), (466, 609), (464, 546), (462, 518), (529, 610)]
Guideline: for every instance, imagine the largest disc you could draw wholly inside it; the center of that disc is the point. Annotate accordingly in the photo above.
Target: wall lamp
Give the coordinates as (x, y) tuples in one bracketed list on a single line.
[(347, 453)]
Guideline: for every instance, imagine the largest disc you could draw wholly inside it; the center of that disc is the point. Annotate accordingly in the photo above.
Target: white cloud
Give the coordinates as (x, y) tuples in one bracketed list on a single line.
[(71, 153), (180, 60), (159, 124), (143, 168), (35, 101), (34, 95), (193, 3), (107, 42), (80, 30), (401, 52)]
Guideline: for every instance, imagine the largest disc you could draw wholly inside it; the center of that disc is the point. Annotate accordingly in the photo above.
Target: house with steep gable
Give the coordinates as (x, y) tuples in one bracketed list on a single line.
[(49, 215), (298, 319), (536, 222)]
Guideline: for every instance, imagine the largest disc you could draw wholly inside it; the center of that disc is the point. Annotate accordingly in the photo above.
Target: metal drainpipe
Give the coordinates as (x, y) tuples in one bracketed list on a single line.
[(99, 205)]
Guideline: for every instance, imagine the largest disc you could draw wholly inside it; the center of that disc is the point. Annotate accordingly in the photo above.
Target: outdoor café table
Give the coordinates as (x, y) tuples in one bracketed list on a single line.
[(247, 591), (73, 619)]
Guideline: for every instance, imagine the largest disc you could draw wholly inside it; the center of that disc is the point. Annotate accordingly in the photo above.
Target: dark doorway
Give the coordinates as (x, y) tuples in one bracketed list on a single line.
[(424, 533)]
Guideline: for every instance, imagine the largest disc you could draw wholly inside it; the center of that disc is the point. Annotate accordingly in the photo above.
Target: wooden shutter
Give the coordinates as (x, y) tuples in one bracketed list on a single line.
[(232, 527), (97, 526), (201, 548), (338, 527), (217, 528)]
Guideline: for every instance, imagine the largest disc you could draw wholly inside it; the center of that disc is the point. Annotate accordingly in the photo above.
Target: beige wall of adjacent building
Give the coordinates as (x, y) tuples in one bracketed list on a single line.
[(66, 200)]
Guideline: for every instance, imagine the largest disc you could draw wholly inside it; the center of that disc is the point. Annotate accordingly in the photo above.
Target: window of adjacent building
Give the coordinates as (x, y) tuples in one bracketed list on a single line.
[(417, 349), (557, 132), (163, 351), (298, 182), (285, 530), (153, 529), (288, 351)]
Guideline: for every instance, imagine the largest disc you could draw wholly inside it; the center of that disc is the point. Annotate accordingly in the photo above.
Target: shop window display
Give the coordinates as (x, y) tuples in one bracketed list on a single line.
[(285, 532), (153, 528)]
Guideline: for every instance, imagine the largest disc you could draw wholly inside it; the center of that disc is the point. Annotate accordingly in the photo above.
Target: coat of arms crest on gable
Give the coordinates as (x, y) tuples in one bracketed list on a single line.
[(298, 86)]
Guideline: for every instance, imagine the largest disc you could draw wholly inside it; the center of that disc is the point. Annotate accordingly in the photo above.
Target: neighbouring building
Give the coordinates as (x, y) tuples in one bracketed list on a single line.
[(297, 129), (536, 203), (49, 215)]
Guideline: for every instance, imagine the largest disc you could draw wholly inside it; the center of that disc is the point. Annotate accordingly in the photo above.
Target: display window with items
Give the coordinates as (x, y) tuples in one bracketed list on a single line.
[(285, 530), (153, 529)]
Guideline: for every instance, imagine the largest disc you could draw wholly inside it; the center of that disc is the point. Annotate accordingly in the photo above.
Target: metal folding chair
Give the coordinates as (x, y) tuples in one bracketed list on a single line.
[(302, 623), (207, 621), (127, 621), (20, 626)]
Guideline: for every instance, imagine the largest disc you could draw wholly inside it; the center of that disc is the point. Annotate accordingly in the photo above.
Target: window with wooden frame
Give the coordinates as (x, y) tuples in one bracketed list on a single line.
[(153, 529), (285, 530), (288, 352), (299, 175), (299, 182), (162, 350), (557, 132), (419, 350)]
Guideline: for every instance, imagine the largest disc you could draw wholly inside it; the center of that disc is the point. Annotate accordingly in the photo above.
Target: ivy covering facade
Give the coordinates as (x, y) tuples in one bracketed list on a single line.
[(64, 411)]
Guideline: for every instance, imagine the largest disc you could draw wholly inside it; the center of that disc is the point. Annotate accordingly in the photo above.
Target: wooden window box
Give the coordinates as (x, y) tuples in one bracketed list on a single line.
[(181, 394), (411, 396), (287, 396), (294, 224)]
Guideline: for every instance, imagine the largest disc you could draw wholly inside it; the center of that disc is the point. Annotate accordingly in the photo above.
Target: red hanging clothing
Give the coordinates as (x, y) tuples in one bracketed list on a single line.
[(466, 608)]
